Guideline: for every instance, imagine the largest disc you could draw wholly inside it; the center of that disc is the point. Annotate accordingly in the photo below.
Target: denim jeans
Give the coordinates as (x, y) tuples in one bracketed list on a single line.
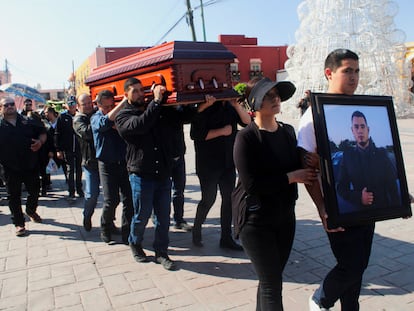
[(268, 245), (116, 188), (178, 185), (352, 249), (147, 196), (14, 188), (91, 191)]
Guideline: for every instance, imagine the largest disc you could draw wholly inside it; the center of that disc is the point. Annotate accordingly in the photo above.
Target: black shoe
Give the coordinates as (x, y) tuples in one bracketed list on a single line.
[(125, 234), (183, 225), (87, 223), (71, 197), (35, 217), (106, 237), (197, 237), (125, 240), (165, 261), (81, 194), (138, 253), (115, 230), (198, 243), (230, 244)]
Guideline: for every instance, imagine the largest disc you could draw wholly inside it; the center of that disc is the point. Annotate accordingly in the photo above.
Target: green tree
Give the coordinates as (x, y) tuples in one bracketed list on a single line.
[(240, 88)]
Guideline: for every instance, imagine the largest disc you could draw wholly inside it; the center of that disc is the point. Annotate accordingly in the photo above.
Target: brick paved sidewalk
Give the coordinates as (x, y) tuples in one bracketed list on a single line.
[(60, 266)]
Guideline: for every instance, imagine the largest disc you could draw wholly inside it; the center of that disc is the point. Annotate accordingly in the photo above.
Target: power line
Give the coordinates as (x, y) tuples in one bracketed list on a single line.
[(171, 29), (172, 10), (208, 3)]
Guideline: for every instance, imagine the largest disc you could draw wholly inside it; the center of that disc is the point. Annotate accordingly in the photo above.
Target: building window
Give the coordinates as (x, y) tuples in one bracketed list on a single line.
[(235, 73), (255, 64), (234, 67), (255, 68), (61, 95)]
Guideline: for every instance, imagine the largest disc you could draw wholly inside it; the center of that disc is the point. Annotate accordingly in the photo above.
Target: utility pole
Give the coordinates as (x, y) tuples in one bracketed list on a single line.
[(6, 70), (74, 77), (202, 19), (190, 19)]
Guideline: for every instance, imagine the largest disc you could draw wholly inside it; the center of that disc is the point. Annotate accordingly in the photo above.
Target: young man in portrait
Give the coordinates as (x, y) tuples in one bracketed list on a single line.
[(367, 179)]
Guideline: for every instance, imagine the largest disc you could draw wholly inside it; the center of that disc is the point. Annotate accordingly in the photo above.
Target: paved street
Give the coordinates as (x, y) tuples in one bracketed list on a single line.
[(59, 266)]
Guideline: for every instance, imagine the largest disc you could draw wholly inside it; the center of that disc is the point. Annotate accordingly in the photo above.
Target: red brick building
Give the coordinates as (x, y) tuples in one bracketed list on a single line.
[(253, 60)]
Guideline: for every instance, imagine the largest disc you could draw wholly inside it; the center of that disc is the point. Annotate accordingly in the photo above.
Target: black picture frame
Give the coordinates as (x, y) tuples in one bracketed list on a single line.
[(345, 169)]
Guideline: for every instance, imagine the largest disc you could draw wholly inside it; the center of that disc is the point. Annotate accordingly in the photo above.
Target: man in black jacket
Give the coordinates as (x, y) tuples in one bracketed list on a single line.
[(367, 178), (20, 141), (82, 127), (149, 162), (68, 149)]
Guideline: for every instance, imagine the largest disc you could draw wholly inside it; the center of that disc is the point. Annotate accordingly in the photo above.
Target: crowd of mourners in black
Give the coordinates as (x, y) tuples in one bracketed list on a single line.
[(135, 151)]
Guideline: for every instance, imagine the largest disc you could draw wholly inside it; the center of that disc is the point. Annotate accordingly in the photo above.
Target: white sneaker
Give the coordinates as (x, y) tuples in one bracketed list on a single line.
[(314, 304)]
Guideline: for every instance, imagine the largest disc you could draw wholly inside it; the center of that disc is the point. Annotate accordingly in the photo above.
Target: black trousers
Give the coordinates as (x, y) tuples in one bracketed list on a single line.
[(268, 246), (74, 172), (14, 188), (209, 181), (116, 188), (178, 186), (352, 249)]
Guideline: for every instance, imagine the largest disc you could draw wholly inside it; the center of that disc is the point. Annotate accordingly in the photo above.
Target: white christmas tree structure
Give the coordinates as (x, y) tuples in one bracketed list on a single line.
[(363, 26)]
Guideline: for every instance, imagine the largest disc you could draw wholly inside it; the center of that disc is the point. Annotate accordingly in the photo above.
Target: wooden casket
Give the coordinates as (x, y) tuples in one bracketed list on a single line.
[(189, 71)]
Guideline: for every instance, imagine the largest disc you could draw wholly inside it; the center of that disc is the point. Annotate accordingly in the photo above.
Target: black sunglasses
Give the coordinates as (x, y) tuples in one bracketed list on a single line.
[(9, 104)]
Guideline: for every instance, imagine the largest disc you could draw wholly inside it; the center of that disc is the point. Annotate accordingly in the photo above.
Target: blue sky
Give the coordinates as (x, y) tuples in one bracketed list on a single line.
[(40, 38)]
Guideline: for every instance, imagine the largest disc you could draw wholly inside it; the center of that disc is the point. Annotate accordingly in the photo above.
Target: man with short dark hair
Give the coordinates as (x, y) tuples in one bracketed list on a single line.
[(20, 140), (111, 152), (28, 107), (351, 246), (149, 163), (68, 149), (367, 178)]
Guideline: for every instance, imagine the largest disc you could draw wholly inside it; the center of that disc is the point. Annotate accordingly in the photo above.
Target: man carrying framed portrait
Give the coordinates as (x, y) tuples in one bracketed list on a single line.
[(351, 244)]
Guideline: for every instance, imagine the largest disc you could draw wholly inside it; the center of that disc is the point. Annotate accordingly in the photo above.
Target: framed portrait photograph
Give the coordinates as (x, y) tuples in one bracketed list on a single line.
[(361, 163)]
